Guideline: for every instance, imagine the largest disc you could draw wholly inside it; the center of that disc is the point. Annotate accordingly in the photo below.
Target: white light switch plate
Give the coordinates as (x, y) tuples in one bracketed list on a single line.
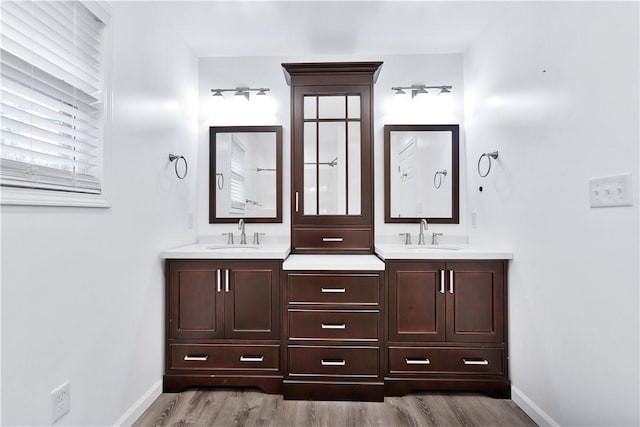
[(610, 191)]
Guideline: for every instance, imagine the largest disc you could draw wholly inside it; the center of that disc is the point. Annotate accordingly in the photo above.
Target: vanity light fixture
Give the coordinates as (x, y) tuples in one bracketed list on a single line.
[(420, 89), (241, 91)]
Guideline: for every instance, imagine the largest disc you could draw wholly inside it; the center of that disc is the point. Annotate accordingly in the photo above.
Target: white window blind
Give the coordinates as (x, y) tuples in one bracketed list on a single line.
[(51, 96), (238, 199)]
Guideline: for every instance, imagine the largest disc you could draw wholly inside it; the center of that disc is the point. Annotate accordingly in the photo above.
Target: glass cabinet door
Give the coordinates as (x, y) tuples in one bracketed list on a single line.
[(332, 155)]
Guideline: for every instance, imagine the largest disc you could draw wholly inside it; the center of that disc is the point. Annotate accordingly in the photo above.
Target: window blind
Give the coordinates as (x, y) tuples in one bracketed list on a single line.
[(51, 100), (238, 199)]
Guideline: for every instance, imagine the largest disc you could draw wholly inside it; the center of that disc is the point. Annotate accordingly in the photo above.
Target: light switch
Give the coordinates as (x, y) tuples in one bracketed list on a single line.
[(610, 191)]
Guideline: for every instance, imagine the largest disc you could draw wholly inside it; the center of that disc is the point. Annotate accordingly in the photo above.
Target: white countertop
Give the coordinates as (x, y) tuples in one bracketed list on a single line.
[(333, 262), (223, 251), (443, 251)]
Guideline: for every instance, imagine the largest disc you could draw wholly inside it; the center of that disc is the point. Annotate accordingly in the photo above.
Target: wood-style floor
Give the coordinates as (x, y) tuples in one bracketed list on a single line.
[(254, 408)]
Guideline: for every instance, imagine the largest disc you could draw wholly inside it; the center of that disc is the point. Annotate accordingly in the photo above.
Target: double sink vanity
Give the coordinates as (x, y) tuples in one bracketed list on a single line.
[(328, 314)]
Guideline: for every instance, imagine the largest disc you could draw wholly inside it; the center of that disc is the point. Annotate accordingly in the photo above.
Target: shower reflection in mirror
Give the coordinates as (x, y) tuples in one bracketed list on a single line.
[(422, 173), (245, 182)]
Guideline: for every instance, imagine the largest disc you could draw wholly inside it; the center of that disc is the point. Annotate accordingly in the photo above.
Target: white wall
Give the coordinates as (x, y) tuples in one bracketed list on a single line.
[(554, 88), (83, 289), (225, 72)]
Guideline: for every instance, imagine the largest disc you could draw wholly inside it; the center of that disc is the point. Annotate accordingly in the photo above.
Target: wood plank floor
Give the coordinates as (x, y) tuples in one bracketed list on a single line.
[(253, 408)]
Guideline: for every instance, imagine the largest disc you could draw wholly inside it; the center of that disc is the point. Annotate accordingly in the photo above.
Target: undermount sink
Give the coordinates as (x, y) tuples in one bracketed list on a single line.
[(230, 248), (433, 247)]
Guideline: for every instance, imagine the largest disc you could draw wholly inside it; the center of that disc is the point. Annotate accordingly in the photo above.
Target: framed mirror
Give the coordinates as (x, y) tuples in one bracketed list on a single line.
[(421, 173), (245, 174)]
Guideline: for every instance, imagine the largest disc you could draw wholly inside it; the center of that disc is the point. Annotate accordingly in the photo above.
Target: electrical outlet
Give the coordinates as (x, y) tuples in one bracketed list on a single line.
[(60, 402), (610, 191)]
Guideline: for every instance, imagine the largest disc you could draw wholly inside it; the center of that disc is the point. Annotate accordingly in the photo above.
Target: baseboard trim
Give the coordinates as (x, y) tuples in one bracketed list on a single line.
[(530, 408), (141, 405)]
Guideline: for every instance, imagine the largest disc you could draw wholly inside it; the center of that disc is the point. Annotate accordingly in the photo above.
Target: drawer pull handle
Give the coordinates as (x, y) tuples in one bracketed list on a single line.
[(332, 239), (252, 358), (333, 290), (333, 362), (424, 361), (474, 362), (334, 326), (196, 358)]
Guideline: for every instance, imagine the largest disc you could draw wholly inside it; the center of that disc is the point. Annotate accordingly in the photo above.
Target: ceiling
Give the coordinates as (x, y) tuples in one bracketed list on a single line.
[(293, 28)]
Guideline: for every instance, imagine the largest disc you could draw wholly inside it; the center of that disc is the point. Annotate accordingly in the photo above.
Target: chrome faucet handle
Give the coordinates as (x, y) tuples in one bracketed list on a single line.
[(229, 238), (407, 238), (434, 238), (256, 237)]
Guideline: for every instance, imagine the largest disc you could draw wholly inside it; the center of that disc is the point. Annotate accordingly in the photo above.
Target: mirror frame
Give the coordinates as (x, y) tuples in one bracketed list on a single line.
[(455, 177), (213, 131)]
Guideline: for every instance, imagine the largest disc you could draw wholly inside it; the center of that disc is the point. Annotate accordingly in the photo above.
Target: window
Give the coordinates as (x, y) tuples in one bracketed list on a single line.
[(52, 105), (238, 199)]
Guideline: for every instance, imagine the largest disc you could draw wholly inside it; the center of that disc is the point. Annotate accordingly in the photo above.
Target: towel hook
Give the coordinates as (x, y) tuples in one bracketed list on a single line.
[(173, 157), (489, 156), (439, 174)]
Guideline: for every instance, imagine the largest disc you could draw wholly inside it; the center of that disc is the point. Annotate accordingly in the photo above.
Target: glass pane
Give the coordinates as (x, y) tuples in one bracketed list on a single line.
[(353, 106), (332, 170), (331, 107), (353, 168), (310, 167), (309, 107)]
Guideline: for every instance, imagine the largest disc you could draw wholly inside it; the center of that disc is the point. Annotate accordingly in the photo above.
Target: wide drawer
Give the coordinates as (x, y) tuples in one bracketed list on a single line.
[(446, 360), (334, 289), (331, 239), (333, 324), (333, 361), (222, 356)]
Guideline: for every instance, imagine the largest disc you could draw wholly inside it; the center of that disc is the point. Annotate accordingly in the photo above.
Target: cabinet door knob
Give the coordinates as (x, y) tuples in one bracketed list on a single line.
[(218, 282), (442, 280), (475, 362), (196, 358), (226, 280), (333, 362)]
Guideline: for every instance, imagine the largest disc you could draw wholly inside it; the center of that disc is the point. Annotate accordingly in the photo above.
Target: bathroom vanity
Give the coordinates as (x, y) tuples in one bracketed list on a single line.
[(337, 327), (341, 318)]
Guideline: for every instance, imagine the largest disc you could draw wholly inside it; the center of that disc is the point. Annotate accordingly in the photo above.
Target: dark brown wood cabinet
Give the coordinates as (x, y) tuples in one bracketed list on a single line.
[(447, 327), (223, 324), (333, 335), (332, 156)]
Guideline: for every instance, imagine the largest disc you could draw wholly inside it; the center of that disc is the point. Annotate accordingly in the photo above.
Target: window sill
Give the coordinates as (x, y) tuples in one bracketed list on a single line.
[(29, 197)]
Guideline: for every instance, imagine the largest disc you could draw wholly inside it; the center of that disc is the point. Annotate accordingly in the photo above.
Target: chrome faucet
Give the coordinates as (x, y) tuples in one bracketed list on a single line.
[(423, 226), (243, 235)]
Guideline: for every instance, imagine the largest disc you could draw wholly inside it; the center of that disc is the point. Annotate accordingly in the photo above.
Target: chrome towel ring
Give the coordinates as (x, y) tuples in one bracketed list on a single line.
[(220, 180), (489, 156), (438, 178), (173, 157)]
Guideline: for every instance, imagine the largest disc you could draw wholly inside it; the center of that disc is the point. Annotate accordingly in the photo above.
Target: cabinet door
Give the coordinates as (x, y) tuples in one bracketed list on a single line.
[(195, 306), (252, 300), (475, 302), (416, 302)]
